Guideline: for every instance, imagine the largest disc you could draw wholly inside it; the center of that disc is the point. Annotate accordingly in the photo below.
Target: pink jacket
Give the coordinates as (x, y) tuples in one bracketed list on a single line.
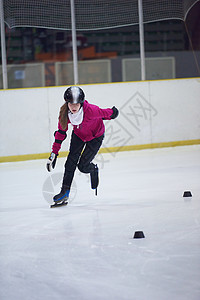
[(91, 127)]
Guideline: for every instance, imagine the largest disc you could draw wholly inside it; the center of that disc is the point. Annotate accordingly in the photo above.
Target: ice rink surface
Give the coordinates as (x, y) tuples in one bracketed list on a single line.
[(86, 250)]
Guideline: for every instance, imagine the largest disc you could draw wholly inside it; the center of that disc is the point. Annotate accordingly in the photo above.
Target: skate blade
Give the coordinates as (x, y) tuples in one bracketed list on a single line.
[(58, 204)]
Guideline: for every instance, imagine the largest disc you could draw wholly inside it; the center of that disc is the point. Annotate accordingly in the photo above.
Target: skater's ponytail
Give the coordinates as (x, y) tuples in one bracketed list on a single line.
[(63, 116)]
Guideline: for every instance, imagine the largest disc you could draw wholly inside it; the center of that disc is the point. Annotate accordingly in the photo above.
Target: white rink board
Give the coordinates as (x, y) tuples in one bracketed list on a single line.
[(150, 112)]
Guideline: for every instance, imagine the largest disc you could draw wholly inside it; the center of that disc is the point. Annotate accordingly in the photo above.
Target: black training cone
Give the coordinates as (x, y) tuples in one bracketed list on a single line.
[(187, 194), (139, 235)]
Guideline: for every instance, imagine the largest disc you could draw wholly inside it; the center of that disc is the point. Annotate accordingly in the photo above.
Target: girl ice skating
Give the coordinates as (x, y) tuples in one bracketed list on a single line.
[(86, 139)]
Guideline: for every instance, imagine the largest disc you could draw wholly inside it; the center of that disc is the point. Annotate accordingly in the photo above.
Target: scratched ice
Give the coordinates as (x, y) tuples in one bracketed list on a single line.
[(86, 250)]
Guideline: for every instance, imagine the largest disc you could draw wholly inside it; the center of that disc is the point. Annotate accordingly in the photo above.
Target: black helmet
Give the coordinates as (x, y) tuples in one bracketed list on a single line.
[(74, 94)]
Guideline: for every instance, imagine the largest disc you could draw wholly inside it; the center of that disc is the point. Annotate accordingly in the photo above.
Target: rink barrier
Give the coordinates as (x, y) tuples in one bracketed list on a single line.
[(150, 112), (24, 157)]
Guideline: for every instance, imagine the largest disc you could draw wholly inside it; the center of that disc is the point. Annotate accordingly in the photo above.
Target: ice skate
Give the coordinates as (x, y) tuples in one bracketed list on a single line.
[(94, 176), (61, 198)]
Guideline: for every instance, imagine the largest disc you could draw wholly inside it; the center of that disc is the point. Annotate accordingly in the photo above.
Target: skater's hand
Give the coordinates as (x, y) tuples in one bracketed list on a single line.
[(115, 113), (51, 162)]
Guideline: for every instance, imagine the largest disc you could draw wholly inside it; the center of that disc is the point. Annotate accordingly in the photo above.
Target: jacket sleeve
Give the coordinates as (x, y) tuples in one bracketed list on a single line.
[(108, 113), (60, 135), (100, 113)]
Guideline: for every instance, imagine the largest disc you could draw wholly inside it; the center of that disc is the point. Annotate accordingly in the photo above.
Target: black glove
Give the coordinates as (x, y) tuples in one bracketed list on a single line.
[(51, 161), (115, 113)]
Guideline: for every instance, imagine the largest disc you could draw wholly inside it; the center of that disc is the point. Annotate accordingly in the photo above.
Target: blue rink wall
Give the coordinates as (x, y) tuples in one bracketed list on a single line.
[(152, 114)]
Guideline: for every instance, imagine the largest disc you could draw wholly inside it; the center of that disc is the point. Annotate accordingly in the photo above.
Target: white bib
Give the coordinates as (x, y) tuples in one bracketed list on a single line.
[(77, 118)]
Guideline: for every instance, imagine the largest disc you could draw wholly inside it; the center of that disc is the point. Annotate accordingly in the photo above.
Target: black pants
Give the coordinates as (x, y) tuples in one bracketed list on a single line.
[(80, 158)]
